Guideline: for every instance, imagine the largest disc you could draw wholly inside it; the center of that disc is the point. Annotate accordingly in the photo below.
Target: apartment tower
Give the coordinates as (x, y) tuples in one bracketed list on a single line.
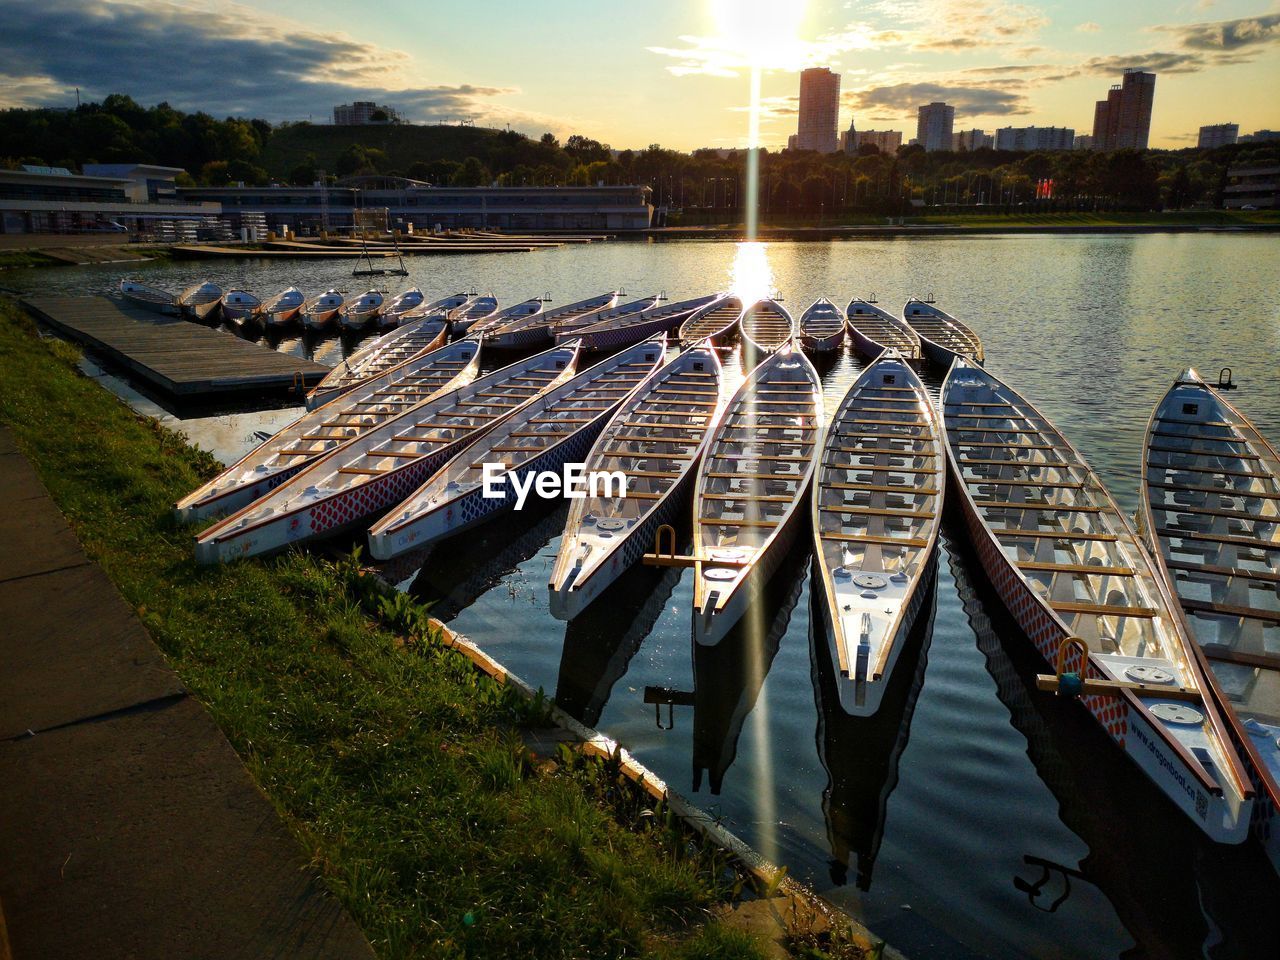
[(933, 126), (1123, 120), (819, 110)]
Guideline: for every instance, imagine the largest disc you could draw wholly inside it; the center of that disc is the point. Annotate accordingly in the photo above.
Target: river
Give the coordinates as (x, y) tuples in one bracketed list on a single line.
[(973, 817)]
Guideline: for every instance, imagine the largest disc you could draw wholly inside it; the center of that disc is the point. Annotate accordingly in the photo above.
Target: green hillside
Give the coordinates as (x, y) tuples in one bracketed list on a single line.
[(289, 146)]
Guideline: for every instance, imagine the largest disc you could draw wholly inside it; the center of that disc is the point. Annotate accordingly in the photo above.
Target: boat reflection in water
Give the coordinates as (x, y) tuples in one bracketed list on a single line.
[(1172, 888), (727, 677), (861, 754), (596, 652), (460, 570)]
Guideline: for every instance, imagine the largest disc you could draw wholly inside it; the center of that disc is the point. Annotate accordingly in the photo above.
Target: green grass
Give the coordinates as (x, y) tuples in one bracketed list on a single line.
[(22, 259), (1000, 221), (1118, 219), (399, 768)]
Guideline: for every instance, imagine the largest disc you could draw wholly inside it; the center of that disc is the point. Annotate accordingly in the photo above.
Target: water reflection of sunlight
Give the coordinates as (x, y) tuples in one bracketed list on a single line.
[(759, 31), (750, 276)]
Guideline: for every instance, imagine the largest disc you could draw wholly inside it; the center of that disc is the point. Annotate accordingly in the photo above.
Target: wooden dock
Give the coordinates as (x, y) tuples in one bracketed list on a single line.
[(180, 358), (353, 248), (200, 250)]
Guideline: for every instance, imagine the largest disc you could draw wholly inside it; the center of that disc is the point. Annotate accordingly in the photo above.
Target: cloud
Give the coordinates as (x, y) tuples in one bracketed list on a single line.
[(1198, 46), (774, 108), (1156, 62), (1088, 27), (946, 26), (30, 91), (961, 25), (226, 59), (1226, 35), (905, 98)]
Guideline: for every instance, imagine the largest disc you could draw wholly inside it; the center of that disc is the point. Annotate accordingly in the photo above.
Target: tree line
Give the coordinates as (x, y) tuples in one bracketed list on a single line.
[(702, 186)]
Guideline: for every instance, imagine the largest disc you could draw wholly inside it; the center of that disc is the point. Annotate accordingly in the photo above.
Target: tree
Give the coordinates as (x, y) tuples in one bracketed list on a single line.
[(814, 192), (472, 173), (242, 171), (585, 150), (306, 173), (214, 174), (358, 160)]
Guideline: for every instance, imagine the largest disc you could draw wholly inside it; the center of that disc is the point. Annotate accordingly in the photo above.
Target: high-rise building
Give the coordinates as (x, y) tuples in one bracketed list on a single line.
[(1083, 141), (970, 140), (1218, 135), (1035, 138), (362, 112), (933, 126), (819, 110), (1259, 136), (1123, 120)]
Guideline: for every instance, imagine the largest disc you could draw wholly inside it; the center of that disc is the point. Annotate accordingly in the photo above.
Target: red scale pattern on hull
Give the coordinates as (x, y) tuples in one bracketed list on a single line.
[(1045, 632)]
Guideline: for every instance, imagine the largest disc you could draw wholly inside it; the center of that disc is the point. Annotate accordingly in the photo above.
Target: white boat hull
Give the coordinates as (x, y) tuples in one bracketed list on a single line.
[(627, 335), (864, 699), (472, 508), (330, 516), (1123, 722), (712, 625), (822, 344), (578, 594)]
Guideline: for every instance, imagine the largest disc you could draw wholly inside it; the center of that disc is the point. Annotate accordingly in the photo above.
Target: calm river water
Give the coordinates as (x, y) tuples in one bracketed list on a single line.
[(973, 817)]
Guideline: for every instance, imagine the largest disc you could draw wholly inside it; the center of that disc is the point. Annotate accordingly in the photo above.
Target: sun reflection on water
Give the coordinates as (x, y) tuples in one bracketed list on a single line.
[(750, 276)]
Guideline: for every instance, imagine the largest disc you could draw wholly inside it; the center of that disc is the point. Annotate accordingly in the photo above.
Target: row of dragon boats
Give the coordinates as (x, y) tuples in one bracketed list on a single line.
[(334, 309), (1173, 626)]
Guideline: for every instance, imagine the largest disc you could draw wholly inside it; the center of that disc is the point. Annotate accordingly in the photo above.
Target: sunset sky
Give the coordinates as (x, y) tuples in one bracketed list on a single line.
[(673, 72)]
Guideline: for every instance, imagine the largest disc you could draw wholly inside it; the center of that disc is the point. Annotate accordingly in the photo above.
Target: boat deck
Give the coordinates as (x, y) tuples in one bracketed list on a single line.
[(180, 358)]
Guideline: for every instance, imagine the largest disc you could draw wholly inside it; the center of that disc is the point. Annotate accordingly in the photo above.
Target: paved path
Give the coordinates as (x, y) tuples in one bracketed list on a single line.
[(128, 826)]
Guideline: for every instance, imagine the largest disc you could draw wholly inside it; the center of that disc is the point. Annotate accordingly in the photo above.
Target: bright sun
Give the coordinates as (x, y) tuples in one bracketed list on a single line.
[(764, 33)]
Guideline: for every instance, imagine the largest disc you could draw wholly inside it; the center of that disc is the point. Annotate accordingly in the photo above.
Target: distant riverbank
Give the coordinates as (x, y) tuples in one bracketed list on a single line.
[(1252, 221)]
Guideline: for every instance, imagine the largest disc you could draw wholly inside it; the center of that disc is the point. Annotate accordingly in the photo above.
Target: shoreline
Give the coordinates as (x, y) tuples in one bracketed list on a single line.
[(27, 251), (871, 231), (346, 730)]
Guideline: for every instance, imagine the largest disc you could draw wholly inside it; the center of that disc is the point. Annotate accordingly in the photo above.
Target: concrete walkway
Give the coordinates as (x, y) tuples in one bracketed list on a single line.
[(128, 826)]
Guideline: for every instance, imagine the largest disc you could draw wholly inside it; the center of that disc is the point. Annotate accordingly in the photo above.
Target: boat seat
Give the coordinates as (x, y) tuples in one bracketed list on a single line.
[(878, 511), (1201, 452), (742, 522), (645, 454), (903, 489), (1068, 535), (1086, 568)]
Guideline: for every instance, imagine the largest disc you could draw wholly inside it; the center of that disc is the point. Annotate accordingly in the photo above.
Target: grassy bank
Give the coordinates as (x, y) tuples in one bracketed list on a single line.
[(995, 222), (23, 259), (402, 772), (1177, 218)]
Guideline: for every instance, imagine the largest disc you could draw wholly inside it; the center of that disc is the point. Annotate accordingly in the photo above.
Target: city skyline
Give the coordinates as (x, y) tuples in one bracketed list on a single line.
[(663, 72)]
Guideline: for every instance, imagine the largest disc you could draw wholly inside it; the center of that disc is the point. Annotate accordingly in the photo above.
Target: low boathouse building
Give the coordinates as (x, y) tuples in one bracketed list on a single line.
[(423, 207)]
